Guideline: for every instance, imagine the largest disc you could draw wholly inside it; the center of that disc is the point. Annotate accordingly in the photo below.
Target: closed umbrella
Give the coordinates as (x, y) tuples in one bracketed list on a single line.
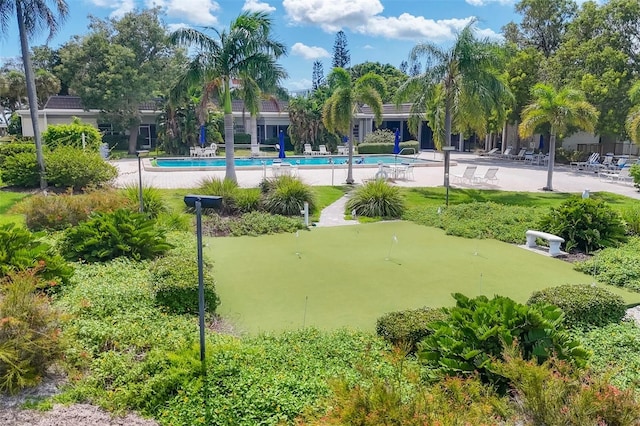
[(396, 143), (541, 145), (203, 135), (281, 153)]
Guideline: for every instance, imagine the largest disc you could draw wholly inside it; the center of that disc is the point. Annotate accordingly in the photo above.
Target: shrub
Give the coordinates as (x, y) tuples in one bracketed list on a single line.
[(385, 148), (253, 224), (631, 218), (635, 174), (583, 305), (616, 266), (585, 224), (380, 136), (287, 196), (69, 167), (225, 188), (175, 221), (377, 199), (477, 331), (407, 328), (21, 170), (71, 135), (106, 236), (175, 284), (56, 212), (152, 199), (8, 150), (248, 200), (28, 332)]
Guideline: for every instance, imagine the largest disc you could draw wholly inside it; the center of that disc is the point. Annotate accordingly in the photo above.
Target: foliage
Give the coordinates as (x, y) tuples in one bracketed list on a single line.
[(477, 331), (21, 170), (635, 174), (152, 200), (287, 195), (55, 212), (377, 199), (585, 224), (632, 123), (225, 188), (20, 250), (248, 200), (8, 150), (175, 284), (406, 328), (380, 136), (392, 76), (253, 224), (58, 135), (583, 305), (615, 266), (631, 217), (386, 148), (341, 56), (70, 167), (106, 236), (305, 117), (28, 332)]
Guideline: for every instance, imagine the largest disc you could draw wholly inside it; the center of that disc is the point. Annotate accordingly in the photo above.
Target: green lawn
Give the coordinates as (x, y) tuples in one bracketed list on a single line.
[(343, 279), (7, 200)]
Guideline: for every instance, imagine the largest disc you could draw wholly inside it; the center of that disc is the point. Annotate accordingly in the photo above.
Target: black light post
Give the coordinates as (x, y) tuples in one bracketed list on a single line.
[(447, 159), (208, 202), (140, 154)]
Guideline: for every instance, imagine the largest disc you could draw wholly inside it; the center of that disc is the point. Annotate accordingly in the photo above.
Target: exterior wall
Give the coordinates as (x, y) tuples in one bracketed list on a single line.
[(579, 138)]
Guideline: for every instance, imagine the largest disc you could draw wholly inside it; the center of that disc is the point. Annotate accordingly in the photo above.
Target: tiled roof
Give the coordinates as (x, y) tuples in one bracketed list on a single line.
[(388, 109), (74, 102), (265, 106)]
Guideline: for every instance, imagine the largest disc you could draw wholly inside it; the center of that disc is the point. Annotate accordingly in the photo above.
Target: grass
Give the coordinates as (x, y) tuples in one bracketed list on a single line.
[(7, 200), (342, 278)]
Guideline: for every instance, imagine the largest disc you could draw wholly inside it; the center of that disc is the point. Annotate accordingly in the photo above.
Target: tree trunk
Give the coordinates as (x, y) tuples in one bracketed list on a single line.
[(350, 160), (552, 160), (254, 130), (230, 172), (133, 138), (31, 93), (447, 122), (504, 136)]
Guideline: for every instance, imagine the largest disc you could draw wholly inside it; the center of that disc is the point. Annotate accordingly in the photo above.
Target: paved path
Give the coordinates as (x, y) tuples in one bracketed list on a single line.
[(333, 215)]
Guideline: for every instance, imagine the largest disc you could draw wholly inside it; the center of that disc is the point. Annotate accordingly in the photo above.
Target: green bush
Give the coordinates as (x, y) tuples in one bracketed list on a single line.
[(635, 174), (253, 224), (106, 236), (21, 170), (287, 196), (477, 331), (69, 167), (152, 199), (583, 305), (175, 284), (71, 135), (386, 148), (28, 332), (248, 200), (377, 199), (385, 136), (407, 328), (116, 142), (615, 266), (8, 150), (631, 218), (225, 188), (586, 224), (56, 212)]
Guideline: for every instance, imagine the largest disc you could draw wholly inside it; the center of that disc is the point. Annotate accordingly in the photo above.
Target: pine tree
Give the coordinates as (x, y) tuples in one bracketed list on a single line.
[(341, 56), (318, 75), (404, 66), (415, 69)]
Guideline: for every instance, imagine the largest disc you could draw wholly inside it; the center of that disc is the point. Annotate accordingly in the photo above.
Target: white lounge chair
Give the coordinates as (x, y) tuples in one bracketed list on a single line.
[(308, 150), (489, 176), (622, 176), (492, 152), (192, 151), (520, 155), (323, 150), (255, 151), (467, 176), (591, 163), (506, 153)]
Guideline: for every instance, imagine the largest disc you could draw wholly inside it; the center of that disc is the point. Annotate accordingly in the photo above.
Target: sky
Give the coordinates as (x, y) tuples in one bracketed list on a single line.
[(377, 30)]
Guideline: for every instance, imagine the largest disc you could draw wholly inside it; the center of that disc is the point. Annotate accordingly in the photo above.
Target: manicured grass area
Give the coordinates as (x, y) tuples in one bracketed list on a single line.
[(342, 278), (7, 200)]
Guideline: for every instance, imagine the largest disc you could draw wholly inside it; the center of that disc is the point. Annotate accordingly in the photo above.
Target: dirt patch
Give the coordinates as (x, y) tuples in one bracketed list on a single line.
[(575, 257)]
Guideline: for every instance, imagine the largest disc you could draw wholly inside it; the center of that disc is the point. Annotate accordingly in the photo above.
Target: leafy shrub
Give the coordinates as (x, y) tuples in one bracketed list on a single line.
[(287, 196), (248, 200), (407, 328), (635, 174), (28, 332), (583, 305), (386, 148), (586, 224), (175, 284), (477, 332), (20, 250), (56, 212), (71, 135), (631, 218), (8, 150), (106, 236), (616, 266), (21, 170), (69, 167), (225, 188), (377, 199), (253, 224), (380, 136), (152, 199)]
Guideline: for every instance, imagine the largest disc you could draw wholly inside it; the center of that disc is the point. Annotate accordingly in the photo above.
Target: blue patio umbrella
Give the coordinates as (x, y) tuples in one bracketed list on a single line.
[(396, 143), (541, 145), (203, 135), (281, 153)]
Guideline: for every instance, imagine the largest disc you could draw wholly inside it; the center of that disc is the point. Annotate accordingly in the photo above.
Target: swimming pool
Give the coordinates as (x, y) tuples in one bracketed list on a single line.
[(303, 162)]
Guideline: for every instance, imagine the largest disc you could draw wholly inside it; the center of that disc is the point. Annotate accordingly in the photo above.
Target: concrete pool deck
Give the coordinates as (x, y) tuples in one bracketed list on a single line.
[(512, 176)]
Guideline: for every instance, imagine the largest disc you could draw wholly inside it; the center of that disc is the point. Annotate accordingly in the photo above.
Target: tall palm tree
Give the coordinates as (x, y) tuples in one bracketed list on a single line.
[(346, 96), (246, 50), (462, 81), (33, 15), (558, 109), (633, 119)]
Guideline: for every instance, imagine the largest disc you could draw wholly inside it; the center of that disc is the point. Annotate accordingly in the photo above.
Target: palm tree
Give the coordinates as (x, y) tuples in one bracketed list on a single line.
[(633, 119), (33, 15), (462, 82), (558, 109), (338, 110), (247, 50)]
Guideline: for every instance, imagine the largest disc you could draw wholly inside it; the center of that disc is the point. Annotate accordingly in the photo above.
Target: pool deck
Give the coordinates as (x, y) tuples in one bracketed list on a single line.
[(512, 176)]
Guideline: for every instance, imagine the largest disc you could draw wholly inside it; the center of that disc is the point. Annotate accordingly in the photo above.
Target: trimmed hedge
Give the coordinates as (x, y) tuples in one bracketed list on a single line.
[(8, 150), (21, 170), (583, 305), (407, 328), (385, 148), (69, 167)]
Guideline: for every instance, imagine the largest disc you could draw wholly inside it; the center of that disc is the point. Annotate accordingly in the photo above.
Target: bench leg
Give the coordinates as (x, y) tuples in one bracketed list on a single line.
[(554, 248), (531, 241)]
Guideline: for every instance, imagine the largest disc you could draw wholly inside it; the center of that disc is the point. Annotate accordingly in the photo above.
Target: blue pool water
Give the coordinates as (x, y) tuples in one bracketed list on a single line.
[(319, 161)]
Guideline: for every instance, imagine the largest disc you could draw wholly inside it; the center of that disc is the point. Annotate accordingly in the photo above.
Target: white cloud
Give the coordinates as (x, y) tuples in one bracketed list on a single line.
[(485, 2), (121, 8), (367, 46), (174, 27), (309, 52), (257, 6), (302, 84), (332, 15), (199, 12)]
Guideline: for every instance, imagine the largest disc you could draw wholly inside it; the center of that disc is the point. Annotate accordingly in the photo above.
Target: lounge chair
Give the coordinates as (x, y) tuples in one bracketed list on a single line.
[(210, 151), (506, 153), (592, 162), (308, 150), (255, 151), (342, 150), (489, 176), (492, 152), (621, 176), (192, 151), (323, 150), (467, 176), (520, 155)]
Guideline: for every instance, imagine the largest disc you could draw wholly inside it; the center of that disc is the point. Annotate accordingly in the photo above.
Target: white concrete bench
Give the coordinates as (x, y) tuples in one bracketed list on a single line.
[(554, 241)]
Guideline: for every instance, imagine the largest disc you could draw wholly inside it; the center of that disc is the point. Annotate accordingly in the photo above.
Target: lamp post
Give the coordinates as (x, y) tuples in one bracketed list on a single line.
[(208, 202), (140, 154), (447, 159)]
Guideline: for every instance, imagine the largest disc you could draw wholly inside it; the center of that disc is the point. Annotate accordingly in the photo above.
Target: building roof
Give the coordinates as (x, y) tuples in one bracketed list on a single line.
[(388, 109), (74, 102), (237, 105)]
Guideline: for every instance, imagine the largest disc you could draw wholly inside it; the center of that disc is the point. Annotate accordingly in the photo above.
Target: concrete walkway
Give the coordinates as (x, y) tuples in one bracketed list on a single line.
[(333, 215)]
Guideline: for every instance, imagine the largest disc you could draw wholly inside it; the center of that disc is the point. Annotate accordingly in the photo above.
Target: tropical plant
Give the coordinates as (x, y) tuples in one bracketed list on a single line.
[(225, 188), (558, 109), (458, 91), (77, 134), (633, 119), (32, 16), (152, 200), (247, 51), (339, 109), (377, 199), (287, 196)]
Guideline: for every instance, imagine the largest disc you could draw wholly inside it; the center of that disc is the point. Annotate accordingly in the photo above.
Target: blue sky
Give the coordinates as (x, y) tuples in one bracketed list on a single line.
[(376, 30)]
